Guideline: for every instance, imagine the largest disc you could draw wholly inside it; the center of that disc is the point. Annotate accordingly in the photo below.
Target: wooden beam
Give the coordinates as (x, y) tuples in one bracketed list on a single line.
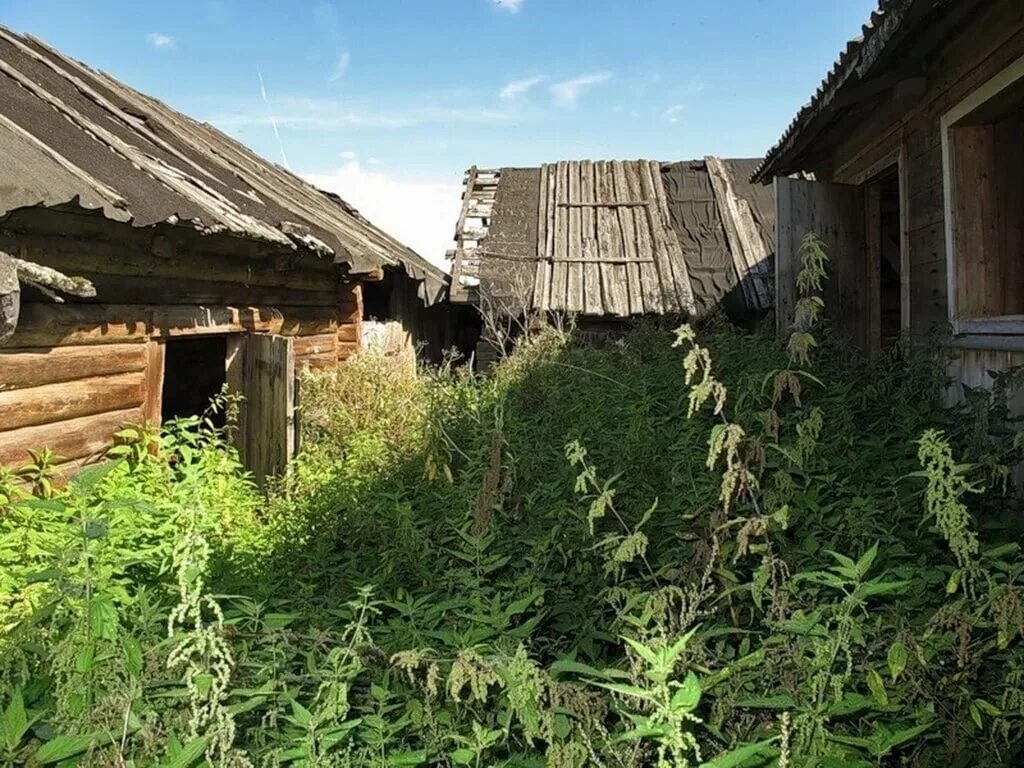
[(21, 368), (70, 399), (72, 439)]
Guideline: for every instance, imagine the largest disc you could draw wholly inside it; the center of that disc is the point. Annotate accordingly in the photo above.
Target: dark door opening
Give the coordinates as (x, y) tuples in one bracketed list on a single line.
[(194, 373), (891, 232), (884, 233)]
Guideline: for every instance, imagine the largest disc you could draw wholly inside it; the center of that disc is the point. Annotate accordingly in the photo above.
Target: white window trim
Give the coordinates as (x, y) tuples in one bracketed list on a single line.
[(1010, 324)]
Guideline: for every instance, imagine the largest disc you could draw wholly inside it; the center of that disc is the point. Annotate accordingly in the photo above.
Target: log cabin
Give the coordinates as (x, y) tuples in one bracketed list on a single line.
[(193, 263), (909, 162), (606, 241)]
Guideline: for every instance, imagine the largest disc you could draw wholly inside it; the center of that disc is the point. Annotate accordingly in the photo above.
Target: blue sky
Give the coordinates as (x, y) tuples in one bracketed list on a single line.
[(388, 101)]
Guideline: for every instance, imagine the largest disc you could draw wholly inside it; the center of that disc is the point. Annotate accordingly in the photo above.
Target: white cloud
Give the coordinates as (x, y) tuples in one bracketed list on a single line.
[(512, 6), (160, 41), (312, 114), (340, 66), (567, 92), (349, 155), (426, 218), (516, 88), (673, 114)]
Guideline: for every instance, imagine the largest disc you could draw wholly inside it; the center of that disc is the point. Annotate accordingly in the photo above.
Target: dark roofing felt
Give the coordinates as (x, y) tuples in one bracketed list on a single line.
[(70, 135)]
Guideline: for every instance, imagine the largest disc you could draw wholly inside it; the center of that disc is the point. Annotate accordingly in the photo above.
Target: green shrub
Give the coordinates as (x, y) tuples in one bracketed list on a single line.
[(575, 561)]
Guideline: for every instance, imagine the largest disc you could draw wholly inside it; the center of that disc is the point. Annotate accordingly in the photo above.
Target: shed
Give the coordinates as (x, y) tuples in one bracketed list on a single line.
[(914, 142), (607, 240), (208, 266)]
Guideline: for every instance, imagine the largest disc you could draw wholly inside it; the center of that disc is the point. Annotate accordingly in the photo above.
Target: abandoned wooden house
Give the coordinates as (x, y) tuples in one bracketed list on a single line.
[(916, 141), (203, 266), (606, 241)]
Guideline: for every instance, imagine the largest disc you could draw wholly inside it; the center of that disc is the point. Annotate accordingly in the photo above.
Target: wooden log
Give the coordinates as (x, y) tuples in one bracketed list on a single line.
[(69, 400), (21, 368), (316, 362), (70, 440), (316, 345), (348, 333), (77, 251), (347, 349), (129, 289), (50, 325)]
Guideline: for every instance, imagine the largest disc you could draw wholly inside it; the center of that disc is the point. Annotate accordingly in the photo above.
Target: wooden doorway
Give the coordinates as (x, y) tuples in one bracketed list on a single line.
[(885, 253)]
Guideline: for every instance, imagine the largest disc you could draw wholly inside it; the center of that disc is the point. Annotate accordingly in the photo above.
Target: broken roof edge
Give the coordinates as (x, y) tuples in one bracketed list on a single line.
[(859, 56)]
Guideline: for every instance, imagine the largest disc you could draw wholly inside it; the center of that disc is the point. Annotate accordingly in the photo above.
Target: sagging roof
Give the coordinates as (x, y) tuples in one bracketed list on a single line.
[(893, 32), (71, 136), (615, 238)]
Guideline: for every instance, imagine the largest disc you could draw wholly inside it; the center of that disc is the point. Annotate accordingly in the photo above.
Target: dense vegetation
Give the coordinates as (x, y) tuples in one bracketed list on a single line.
[(720, 553)]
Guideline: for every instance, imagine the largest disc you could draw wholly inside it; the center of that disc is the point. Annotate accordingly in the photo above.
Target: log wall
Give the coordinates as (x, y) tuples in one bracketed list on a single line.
[(74, 373), (991, 41)]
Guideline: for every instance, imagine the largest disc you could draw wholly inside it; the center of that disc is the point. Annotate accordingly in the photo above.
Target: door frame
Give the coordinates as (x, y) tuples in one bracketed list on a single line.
[(896, 157)]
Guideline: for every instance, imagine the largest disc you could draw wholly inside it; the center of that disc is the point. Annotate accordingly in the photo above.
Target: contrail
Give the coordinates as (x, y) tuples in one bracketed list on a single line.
[(273, 122)]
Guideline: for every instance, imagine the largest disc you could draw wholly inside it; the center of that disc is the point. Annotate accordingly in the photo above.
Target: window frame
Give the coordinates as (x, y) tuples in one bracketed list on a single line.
[(1008, 325)]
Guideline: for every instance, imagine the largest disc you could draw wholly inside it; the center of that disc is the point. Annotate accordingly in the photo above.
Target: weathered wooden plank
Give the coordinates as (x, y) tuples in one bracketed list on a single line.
[(613, 276), (70, 399), (574, 250), (560, 270), (269, 407), (650, 283), (69, 440), (592, 299), (546, 245), (630, 251), (671, 300), (153, 398), (34, 367)]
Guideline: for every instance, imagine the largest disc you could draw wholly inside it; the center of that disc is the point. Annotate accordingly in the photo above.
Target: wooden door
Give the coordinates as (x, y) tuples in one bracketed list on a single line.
[(835, 213), (262, 368)]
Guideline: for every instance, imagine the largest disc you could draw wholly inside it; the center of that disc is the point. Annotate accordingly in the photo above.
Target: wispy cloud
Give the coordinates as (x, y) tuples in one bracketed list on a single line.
[(340, 66), (567, 92), (512, 6), (516, 88), (674, 113), (423, 222), (160, 41), (312, 114)]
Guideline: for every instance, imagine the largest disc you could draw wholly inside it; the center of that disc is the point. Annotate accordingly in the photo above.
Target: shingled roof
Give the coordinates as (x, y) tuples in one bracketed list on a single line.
[(71, 136), (615, 238)]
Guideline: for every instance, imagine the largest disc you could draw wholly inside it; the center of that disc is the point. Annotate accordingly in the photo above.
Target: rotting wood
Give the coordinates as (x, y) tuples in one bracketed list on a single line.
[(69, 440), (51, 403), (21, 367)]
